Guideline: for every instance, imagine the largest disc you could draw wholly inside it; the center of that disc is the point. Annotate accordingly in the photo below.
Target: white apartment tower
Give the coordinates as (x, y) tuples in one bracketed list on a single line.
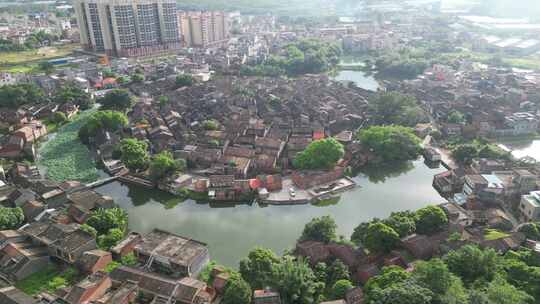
[(127, 28), (202, 29)]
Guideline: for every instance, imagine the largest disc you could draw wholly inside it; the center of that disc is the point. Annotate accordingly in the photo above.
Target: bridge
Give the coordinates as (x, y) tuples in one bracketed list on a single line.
[(101, 182)]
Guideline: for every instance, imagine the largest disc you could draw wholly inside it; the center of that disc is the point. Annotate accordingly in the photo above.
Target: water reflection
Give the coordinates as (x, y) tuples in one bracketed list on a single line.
[(232, 230), (381, 172)]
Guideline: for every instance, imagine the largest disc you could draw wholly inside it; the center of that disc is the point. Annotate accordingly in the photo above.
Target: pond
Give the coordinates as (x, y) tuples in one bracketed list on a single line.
[(523, 148), (351, 70), (232, 230)]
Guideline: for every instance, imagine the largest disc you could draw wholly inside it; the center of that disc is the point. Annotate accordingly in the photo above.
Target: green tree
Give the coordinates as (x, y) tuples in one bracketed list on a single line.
[(237, 291), (89, 229), (531, 231), (138, 78), (521, 275), (102, 120), (433, 275), (210, 125), (13, 96), (500, 292), (103, 220), (11, 218), (465, 153), (380, 238), (295, 282), (134, 153), (59, 117), (391, 143), (321, 229), (46, 67), (113, 236), (163, 101), (129, 260), (404, 293), (164, 165), (337, 271), (395, 108), (455, 117), (340, 288), (358, 236), (184, 80), (116, 99), (388, 277), (257, 267), (471, 263), (320, 154), (430, 219), (402, 222)]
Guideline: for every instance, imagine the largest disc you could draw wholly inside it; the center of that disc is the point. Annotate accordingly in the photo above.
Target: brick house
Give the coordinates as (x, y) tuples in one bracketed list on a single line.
[(94, 260), (307, 179), (90, 289), (173, 254)]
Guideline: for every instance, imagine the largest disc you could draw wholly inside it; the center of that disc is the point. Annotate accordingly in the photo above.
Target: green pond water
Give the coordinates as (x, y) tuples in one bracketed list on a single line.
[(232, 230)]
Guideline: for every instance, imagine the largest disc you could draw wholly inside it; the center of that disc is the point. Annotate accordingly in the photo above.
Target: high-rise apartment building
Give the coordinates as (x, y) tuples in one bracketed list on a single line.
[(202, 29), (128, 28)]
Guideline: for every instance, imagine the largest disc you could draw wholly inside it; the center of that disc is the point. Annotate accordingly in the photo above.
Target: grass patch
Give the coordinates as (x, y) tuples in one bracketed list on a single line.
[(65, 157), (494, 234), (49, 279), (26, 61)]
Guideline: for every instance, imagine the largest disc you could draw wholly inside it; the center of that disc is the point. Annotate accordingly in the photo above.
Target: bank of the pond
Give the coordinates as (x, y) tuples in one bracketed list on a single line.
[(232, 230), (63, 157)]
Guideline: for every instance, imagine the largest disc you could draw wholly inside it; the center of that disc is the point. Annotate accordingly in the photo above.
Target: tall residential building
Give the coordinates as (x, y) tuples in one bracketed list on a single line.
[(126, 28), (202, 29)]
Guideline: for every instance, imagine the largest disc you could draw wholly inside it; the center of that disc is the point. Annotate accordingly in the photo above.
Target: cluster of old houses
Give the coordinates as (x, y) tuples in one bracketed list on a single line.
[(239, 136), (497, 102), (466, 226)]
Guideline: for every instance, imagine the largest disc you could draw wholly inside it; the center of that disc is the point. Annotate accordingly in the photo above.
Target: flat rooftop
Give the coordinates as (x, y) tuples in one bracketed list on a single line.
[(179, 250)]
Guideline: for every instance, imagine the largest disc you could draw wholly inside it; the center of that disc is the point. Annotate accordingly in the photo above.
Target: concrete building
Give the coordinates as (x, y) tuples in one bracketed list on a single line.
[(202, 29), (127, 28), (529, 207)]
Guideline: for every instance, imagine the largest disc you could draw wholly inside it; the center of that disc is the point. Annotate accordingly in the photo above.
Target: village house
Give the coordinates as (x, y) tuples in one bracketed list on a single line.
[(90, 289), (126, 246), (66, 243), (125, 293), (19, 256), (12, 295), (173, 254), (82, 203), (309, 179), (31, 131), (529, 206), (154, 286), (93, 261), (266, 296)]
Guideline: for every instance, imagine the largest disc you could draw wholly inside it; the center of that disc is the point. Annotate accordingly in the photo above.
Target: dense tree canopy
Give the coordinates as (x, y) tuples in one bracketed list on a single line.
[(116, 99), (302, 57), (320, 154), (69, 92), (395, 108), (237, 291), (322, 229), (391, 143), (164, 165), (471, 263), (102, 120), (184, 80), (13, 96), (11, 218), (380, 238), (113, 236), (430, 219), (104, 220), (257, 268), (388, 277), (134, 153), (296, 282)]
